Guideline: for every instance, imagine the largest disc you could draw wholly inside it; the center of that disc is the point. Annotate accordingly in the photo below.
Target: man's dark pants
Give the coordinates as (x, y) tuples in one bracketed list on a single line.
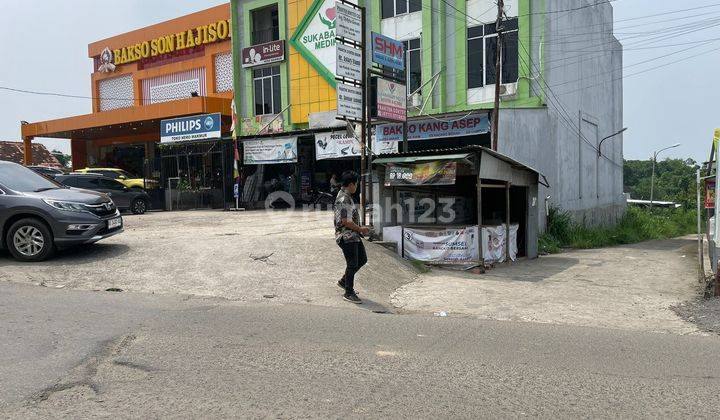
[(355, 258)]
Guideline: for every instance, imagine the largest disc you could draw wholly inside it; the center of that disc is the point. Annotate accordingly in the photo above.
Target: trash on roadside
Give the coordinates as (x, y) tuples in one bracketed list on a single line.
[(269, 296), (441, 313), (113, 289)]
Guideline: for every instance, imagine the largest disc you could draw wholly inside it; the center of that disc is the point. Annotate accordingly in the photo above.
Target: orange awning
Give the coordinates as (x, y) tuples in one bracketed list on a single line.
[(127, 121)]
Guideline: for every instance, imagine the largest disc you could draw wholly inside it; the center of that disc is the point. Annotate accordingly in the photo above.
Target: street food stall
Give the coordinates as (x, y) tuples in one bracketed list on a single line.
[(467, 206)]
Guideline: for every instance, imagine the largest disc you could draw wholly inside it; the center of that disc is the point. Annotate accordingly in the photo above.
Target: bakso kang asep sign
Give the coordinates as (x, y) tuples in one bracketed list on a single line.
[(196, 127)]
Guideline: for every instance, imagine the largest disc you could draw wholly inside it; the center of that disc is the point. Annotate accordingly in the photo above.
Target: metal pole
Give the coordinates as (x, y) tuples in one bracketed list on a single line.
[(701, 265), (363, 127), (498, 52), (652, 180)]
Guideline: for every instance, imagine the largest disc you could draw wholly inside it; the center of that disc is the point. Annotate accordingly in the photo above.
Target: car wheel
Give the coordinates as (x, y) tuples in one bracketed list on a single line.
[(30, 240), (138, 206)]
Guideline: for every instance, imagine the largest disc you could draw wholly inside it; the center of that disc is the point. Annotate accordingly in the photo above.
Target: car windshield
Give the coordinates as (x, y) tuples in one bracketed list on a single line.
[(21, 179)]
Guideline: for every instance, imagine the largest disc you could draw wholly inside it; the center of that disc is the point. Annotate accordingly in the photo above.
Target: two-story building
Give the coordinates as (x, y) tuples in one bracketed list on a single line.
[(561, 91), (172, 69)]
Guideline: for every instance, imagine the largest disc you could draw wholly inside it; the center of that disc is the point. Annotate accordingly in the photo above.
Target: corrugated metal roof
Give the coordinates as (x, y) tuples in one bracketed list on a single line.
[(439, 154)]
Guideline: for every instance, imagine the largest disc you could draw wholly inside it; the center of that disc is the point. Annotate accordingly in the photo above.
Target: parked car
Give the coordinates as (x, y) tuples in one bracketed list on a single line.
[(38, 215), (47, 171), (123, 176), (133, 199)]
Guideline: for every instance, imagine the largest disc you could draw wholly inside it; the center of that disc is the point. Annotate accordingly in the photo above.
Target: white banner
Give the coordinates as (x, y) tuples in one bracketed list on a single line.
[(494, 243), (277, 150), (335, 145), (384, 147), (447, 246)]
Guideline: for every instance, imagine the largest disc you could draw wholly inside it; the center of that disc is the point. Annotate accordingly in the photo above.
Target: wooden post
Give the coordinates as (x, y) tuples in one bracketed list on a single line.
[(27, 151), (479, 216), (507, 222)]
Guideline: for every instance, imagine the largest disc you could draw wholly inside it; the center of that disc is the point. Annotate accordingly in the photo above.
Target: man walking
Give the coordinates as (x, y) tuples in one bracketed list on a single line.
[(348, 234)]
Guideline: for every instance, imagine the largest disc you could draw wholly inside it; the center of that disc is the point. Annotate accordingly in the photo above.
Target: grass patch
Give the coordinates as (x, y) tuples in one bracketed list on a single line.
[(636, 226)]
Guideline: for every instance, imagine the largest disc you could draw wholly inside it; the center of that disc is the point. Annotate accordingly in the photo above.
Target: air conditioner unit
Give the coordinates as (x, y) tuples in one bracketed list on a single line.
[(416, 100), (509, 89)]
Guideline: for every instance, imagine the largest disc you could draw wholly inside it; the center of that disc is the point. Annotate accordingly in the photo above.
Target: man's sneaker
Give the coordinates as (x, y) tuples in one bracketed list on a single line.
[(352, 297), (341, 284)]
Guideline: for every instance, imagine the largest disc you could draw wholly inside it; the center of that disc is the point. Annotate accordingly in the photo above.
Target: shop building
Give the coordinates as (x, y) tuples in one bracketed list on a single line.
[(177, 68), (556, 104)]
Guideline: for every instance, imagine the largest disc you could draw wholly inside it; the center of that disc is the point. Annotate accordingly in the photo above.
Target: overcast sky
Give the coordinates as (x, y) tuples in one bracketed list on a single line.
[(45, 42)]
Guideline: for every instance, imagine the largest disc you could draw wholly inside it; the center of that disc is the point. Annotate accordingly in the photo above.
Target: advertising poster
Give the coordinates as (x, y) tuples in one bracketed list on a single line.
[(430, 173), (710, 194), (448, 246), (282, 150), (335, 145)]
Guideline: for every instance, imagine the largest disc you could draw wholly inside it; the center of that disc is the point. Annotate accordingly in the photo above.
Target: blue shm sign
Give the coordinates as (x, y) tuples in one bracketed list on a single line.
[(196, 127), (388, 52)]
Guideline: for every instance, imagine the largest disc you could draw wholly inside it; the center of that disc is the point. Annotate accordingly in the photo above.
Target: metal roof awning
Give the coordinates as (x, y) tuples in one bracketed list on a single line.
[(413, 159)]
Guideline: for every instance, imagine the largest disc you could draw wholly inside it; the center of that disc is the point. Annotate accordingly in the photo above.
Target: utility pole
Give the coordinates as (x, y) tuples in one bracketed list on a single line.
[(498, 55)]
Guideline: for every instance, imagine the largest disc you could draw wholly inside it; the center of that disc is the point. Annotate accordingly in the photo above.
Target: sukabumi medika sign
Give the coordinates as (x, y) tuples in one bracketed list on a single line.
[(201, 35)]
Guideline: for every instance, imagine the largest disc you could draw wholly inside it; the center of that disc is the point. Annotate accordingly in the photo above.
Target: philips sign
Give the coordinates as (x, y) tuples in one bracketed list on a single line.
[(196, 127), (388, 52)]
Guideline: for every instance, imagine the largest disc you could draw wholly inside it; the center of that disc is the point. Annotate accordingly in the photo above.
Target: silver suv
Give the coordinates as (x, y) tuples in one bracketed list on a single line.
[(38, 215)]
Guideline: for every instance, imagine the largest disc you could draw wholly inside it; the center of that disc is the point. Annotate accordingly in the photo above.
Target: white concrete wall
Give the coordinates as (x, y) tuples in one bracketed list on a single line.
[(581, 82)]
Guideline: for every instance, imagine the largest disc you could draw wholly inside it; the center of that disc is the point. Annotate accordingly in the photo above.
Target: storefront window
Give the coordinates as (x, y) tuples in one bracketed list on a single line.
[(413, 60), (265, 25), (266, 86), (482, 54), (391, 8)]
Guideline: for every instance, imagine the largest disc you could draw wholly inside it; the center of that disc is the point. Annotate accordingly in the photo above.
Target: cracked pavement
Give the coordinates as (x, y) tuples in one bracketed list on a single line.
[(83, 354)]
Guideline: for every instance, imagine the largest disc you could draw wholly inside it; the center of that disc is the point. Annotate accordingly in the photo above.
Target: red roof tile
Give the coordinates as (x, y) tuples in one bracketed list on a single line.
[(13, 151)]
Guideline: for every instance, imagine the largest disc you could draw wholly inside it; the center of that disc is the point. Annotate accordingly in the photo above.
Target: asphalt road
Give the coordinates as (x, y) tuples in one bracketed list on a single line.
[(77, 354)]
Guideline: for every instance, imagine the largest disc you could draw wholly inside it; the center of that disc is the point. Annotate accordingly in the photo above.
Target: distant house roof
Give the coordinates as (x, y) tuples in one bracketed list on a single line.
[(12, 151)]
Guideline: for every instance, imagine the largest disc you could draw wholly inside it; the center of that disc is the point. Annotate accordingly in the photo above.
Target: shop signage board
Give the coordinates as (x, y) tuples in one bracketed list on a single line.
[(261, 54), (388, 52), (172, 44), (270, 151), (314, 38), (442, 245), (391, 100), (196, 127), (348, 22), (335, 145), (349, 62), (432, 128), (349, 101), (430, 173)]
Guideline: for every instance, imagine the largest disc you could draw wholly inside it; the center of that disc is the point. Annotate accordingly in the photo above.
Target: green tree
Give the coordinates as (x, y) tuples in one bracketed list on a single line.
[(674, 180), (64, 159)]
